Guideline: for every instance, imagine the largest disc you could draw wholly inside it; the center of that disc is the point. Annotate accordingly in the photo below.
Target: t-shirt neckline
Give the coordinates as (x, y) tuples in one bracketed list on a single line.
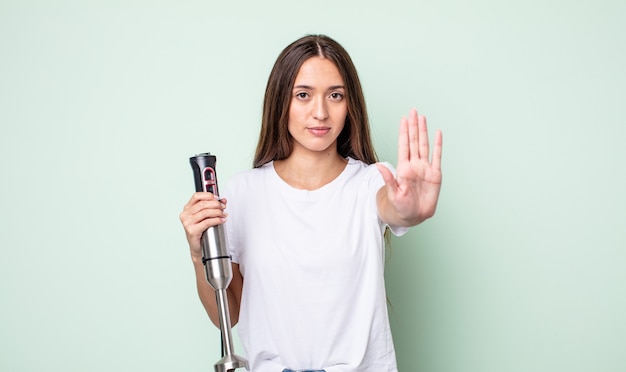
[(310, 194)]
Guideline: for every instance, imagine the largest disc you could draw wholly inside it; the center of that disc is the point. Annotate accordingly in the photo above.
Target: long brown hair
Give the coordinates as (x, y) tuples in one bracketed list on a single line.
[(275, 142)]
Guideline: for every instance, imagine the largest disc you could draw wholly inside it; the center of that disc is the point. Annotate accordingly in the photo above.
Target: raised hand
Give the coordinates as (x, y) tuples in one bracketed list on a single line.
[(411, 197)]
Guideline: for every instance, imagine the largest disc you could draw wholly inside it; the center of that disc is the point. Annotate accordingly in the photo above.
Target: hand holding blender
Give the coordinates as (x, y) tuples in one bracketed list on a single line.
[(217, 262)]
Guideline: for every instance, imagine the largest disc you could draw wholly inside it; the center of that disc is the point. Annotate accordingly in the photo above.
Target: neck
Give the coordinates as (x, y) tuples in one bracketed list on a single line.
[(310, 171)]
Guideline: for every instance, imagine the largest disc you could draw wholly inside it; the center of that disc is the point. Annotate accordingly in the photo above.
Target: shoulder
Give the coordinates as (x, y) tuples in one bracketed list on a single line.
[(369, 173), (243, 180), (358, 167), (250, 173)]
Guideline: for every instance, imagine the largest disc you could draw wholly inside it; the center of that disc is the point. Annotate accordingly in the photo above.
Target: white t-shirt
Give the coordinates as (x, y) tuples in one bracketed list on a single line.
[(312, 262)]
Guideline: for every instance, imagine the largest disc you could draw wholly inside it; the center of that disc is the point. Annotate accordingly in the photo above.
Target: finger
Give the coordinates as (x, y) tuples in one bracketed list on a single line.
[(198, 222), (194, 231), (198, 197), (207, 214), (200, 202), (206, 205), (424, 148), (413, 135), (403, 141), (388, 177), (437, 150)]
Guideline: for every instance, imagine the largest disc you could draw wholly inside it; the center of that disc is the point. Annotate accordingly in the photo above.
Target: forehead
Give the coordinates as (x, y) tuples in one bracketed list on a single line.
[(318, 71)]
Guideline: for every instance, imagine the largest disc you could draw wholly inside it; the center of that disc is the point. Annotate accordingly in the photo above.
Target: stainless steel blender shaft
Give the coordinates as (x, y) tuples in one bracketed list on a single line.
[(219, 273)]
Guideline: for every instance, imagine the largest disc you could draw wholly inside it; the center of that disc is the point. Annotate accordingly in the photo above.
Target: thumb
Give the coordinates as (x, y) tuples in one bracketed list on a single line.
[(390, 180)]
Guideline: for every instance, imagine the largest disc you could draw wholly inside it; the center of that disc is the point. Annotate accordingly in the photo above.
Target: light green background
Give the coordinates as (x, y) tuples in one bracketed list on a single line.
[(102, 103)]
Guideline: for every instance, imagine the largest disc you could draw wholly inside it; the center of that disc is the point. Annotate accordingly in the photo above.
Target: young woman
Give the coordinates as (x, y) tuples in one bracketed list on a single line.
[(306, 225)]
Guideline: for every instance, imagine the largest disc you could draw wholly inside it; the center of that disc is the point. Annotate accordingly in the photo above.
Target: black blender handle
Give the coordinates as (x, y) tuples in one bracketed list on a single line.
[(204, 175)]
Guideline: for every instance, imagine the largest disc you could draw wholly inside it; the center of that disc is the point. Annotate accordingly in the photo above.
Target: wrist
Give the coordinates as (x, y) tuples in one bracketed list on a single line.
[(196, 258)]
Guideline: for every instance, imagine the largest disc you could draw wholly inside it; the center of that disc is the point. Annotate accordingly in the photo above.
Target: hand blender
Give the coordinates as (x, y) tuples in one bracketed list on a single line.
[(217, 263)]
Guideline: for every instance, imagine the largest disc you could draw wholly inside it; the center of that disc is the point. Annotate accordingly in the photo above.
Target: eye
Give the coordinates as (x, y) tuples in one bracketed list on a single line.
[(336, 96), (302, 95)]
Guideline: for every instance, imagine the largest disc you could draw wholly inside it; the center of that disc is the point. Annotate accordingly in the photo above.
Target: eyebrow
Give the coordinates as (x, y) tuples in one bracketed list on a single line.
[(332, 87)]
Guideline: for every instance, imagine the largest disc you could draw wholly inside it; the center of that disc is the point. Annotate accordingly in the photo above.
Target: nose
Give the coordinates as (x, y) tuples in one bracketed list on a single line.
[(320, 110)]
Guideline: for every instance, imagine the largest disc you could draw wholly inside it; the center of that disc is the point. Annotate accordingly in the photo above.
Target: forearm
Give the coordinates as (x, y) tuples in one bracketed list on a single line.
[(208, 297)]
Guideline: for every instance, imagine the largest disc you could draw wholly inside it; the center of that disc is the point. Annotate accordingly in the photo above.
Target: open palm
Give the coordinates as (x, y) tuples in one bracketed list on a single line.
[(414, 191)]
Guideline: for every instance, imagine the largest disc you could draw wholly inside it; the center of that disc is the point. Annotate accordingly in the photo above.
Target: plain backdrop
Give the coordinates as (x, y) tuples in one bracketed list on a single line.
[(103, 102)]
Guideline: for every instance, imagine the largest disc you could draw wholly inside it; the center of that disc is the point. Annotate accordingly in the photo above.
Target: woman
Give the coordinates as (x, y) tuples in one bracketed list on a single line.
[(305, 226)]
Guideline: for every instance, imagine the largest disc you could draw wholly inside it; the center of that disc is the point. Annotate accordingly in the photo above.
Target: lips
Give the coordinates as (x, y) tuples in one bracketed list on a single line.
[(319, 131)]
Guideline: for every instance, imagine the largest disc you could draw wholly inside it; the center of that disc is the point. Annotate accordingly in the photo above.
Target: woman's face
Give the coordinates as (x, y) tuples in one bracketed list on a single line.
[(318, 108)]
